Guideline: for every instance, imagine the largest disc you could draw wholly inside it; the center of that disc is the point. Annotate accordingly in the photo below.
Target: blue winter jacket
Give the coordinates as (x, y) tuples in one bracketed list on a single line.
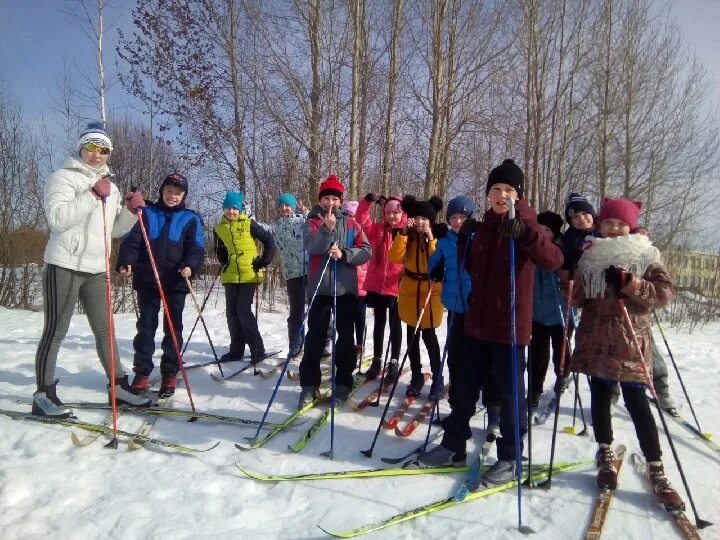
[(176, 239), (446, 254), (548, 303)]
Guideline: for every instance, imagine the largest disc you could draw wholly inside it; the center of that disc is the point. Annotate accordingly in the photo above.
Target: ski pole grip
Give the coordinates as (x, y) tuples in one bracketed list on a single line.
[(511, 211)]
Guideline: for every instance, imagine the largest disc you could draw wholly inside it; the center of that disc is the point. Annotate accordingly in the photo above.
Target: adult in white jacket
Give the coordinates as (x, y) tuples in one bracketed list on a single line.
[(75, 262)]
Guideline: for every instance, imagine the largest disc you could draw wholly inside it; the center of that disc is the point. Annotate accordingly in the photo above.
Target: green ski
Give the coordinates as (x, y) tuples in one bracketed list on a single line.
[(443, 504)]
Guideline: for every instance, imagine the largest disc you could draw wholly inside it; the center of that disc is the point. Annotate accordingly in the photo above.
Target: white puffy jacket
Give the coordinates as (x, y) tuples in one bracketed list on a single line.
[(76, 220)]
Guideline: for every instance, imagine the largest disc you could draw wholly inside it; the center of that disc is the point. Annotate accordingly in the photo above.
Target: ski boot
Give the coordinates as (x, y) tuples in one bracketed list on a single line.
[(141, 383), (416, 383), (502, 472), (437, 388), (666, 494), (493, 420), (125, 395), (437, 457), (342, 393), (374, 370), (46, 403), (392, 373), (308, 394), (605, 462), (167, 385)]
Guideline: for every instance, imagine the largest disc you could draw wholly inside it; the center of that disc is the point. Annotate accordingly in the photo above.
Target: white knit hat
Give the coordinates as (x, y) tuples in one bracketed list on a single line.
[(94, 133)]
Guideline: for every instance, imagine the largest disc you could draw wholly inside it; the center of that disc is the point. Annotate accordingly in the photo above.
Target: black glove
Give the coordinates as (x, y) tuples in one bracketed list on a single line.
[(370, 197), (513, 228), (617, 278), (437, 274), (381, 200), (469, 226), (258, 264)]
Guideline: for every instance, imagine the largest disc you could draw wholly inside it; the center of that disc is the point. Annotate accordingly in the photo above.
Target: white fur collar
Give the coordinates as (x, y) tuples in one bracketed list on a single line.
[(633, 253)]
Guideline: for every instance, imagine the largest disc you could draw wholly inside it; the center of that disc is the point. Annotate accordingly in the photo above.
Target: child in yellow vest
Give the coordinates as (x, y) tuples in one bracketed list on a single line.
[(235, 237)]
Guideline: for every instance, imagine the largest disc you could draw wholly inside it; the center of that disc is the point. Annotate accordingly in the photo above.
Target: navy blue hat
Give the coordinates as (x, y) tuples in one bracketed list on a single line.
[(552, 221), (460, 205), (577, 203), (175, 179)]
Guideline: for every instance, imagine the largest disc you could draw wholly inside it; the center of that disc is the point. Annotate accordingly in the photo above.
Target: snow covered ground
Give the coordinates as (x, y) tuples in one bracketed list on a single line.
[(50, 489)]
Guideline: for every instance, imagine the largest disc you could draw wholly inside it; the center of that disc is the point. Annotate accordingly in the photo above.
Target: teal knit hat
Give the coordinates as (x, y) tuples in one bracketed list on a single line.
[(289, 199), (234, 200)]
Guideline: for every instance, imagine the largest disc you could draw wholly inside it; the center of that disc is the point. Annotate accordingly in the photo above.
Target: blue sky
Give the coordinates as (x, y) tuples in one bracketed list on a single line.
[(37, 38)]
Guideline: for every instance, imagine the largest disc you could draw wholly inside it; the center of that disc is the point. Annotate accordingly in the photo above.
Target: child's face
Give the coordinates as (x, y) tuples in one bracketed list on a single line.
[(172, 195), (612, 228), (420, 223), (581, 221), (456, 221), (232, 213), (498, 196), (547, 232), (285, 210), (393, 216), (330, 203)]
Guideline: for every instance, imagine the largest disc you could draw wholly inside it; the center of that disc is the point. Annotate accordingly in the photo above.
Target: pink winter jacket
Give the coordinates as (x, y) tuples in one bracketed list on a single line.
[(383, 276)]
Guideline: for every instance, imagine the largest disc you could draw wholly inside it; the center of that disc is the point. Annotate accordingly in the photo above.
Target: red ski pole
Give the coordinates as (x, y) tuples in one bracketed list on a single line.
[(166, 310), (111, 327)]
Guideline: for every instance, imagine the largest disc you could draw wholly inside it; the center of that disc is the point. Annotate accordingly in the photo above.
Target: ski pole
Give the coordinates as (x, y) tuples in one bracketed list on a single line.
[(416, 333), (331, 453), (111, 327), (701, 523), (202, 309), (376, 402), (166, 309), (257, 324), (202, 320), (546, 484), (515, 377), (287, 360), (529, 482), (677, 371), (362, 347)]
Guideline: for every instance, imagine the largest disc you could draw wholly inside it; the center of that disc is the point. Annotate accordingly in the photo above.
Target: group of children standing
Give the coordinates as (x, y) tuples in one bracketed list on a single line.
[(409, 269)]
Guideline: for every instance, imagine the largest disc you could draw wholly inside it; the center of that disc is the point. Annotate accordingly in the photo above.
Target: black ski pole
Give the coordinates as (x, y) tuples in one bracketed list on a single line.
[(369, 451), (376, 402), (546, 484), (677, 371), (202, 320), (331, 453), (202, 308), (701, 523), (529, 481)]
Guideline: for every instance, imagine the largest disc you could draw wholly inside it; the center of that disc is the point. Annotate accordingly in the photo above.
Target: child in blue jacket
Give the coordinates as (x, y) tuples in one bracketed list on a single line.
[(177, 241), (548, 316)]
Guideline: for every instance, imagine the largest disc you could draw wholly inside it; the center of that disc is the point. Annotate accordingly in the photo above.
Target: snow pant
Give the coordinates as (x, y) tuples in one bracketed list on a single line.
[(318, 322), (479, 359), (146, 325), (660, 378), (382, 306), (296, 298), (455, 342), (637, 404), (360, 314), (241, 321), (62, 288), (431, 344), (542, 338)]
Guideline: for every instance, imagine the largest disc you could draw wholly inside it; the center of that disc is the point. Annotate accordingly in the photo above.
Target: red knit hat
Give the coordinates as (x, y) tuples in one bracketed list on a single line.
[(331, 186), (626, 210)]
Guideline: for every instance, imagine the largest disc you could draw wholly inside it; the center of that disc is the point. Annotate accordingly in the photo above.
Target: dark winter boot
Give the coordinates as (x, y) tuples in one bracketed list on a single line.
[(308, 394), (46, 403), (374, 370), (167, 385), (607, 471), (141, 383), (392, 373), (416, 384), (493, 419), (667, 496), (437, 388), (125, 395), (342, 393)]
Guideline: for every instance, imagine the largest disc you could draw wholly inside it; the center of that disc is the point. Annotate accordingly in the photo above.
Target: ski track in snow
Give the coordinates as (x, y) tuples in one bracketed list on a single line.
[(50, 488)]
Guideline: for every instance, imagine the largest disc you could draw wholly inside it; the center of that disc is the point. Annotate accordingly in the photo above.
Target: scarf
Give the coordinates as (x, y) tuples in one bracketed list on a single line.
[(633, 253)]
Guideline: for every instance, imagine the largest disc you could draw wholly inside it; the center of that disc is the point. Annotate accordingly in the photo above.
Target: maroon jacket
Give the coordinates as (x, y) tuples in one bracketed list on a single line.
[(488, 262)]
